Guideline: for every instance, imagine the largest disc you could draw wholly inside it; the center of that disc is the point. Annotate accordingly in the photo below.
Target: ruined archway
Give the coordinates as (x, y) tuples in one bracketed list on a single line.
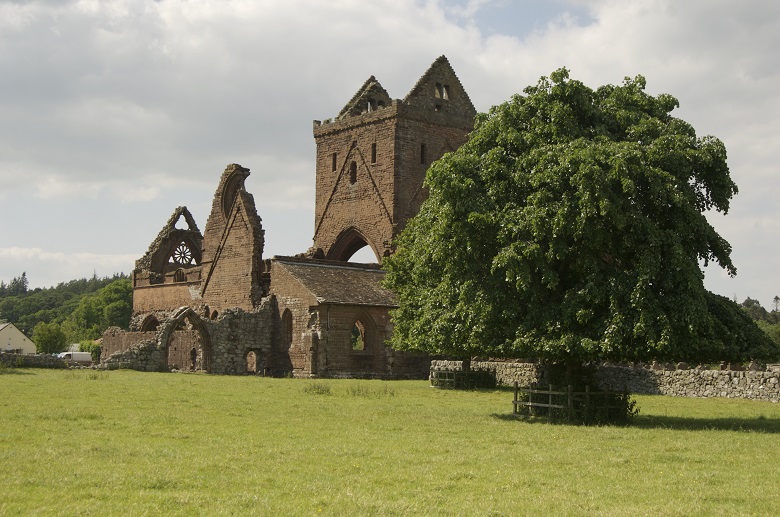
[(185, 342), (349, 242), (150, 324)]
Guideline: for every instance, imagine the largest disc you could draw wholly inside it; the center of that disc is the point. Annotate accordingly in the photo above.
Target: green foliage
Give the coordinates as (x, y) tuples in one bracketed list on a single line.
[(569, 227), (317, 388), (56, 304), (49, 338), (92, 347), (772, 330), (768, 322), (370, 390), (16, 287), (734, 336)]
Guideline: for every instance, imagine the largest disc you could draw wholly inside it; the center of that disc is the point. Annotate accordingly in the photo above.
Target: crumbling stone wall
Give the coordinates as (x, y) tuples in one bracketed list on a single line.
[(755, 385), (237, 332), (225, 342), (116, 341)]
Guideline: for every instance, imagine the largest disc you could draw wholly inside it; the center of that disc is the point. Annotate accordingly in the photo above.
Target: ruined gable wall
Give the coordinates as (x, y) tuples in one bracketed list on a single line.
[(230, 281)]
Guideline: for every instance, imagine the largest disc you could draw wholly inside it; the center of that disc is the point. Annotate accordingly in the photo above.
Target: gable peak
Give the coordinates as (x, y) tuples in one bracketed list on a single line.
[(370, 97)]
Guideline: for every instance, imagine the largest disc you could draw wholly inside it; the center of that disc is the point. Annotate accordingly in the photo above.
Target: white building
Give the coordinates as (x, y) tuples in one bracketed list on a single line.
[(12, 341)]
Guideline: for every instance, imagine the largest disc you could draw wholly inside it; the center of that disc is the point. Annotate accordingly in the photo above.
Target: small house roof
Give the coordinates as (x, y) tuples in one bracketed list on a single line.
[(342, 283)]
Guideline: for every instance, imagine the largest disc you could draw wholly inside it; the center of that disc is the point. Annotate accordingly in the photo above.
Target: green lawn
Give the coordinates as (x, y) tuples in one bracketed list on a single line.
[(83, 442)]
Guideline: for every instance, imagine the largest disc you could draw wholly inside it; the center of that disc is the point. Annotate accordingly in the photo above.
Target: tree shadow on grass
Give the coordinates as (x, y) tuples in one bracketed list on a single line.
[(759, 424)]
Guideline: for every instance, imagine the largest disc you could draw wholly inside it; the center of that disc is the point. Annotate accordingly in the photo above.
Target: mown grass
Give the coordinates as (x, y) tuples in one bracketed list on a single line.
[(128, 443)]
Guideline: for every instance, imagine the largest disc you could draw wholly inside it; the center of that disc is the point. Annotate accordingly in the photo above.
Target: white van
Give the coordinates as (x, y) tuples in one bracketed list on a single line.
[(77, 357)]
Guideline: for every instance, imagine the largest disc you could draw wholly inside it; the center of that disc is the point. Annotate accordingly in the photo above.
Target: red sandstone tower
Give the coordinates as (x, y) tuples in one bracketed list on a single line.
[(371, 160)]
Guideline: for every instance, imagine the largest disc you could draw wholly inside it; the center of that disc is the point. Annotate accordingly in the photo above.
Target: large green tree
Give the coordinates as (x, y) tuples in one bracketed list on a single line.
[(49, 338), (570, 227)]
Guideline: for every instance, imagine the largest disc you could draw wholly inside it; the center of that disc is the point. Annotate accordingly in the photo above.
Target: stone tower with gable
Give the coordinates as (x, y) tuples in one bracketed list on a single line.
[(371, 160)]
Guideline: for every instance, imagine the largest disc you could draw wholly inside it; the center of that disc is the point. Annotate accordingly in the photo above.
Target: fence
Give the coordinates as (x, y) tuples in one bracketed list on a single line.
[(458, 379), (584, 406)]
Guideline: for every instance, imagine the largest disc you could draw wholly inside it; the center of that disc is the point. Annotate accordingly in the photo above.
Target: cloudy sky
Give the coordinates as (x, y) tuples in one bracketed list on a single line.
[(113, 113)]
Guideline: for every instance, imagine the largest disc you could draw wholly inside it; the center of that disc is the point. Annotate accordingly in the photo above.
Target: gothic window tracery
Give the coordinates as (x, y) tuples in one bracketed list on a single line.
[(182, 254)]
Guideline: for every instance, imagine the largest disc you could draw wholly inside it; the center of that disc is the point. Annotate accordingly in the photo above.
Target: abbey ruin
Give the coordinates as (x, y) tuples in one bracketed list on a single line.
[(209, 301)]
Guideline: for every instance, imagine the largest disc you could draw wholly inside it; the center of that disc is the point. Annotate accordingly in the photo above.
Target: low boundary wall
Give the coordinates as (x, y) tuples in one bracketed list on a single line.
[(754, 385), (32, 361)]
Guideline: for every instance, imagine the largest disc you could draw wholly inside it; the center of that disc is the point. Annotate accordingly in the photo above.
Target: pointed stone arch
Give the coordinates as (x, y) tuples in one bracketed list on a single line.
[(150, 324), (348, 242), (198, 341), (362, 333)]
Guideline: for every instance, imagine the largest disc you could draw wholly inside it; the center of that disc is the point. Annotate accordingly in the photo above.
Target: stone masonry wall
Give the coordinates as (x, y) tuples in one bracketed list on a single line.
[(755, 385), (367, 203), (236, 332), (164, 297), (31, 361), (116, 341), (227, 342)]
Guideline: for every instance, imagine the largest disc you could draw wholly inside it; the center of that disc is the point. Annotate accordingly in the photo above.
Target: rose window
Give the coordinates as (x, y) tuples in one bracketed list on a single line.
[(182, 255)]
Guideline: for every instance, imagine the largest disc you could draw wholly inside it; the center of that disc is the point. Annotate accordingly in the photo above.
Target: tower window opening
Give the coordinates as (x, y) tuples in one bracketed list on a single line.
[(352, 173), (373, 153), (333, 166), (442, 91), (422, 154)]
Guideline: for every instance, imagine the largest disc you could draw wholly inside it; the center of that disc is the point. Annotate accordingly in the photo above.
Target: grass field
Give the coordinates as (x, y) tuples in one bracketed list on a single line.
[(84, 442)]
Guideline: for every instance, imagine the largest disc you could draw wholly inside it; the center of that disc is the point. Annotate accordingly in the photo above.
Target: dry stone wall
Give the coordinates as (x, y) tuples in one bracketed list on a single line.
[(754, 385), (31, 361)]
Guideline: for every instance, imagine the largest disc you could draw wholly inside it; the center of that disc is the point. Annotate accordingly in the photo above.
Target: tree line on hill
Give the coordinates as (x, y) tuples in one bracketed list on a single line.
[(78, 311), (768, 321)]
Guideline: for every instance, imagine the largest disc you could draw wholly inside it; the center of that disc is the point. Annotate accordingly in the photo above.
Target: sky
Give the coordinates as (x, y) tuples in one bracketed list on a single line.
[(114, 113)]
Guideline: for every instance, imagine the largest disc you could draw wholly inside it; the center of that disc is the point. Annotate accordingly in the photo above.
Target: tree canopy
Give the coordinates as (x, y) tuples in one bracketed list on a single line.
[(571, 227), (49, 338), (84, 308)]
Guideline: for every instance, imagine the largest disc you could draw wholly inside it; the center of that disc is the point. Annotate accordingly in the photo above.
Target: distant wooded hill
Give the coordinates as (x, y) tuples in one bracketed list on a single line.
[(81, 309)]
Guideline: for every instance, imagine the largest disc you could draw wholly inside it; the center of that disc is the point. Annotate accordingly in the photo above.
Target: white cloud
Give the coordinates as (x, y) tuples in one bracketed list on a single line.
[(136, 107), (44, 268)]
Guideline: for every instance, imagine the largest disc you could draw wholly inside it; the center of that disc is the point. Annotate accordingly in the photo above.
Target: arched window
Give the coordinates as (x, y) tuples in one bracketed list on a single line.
[(287, 331), (251, 362), (150, 324), (358, 337), (179, 276)]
